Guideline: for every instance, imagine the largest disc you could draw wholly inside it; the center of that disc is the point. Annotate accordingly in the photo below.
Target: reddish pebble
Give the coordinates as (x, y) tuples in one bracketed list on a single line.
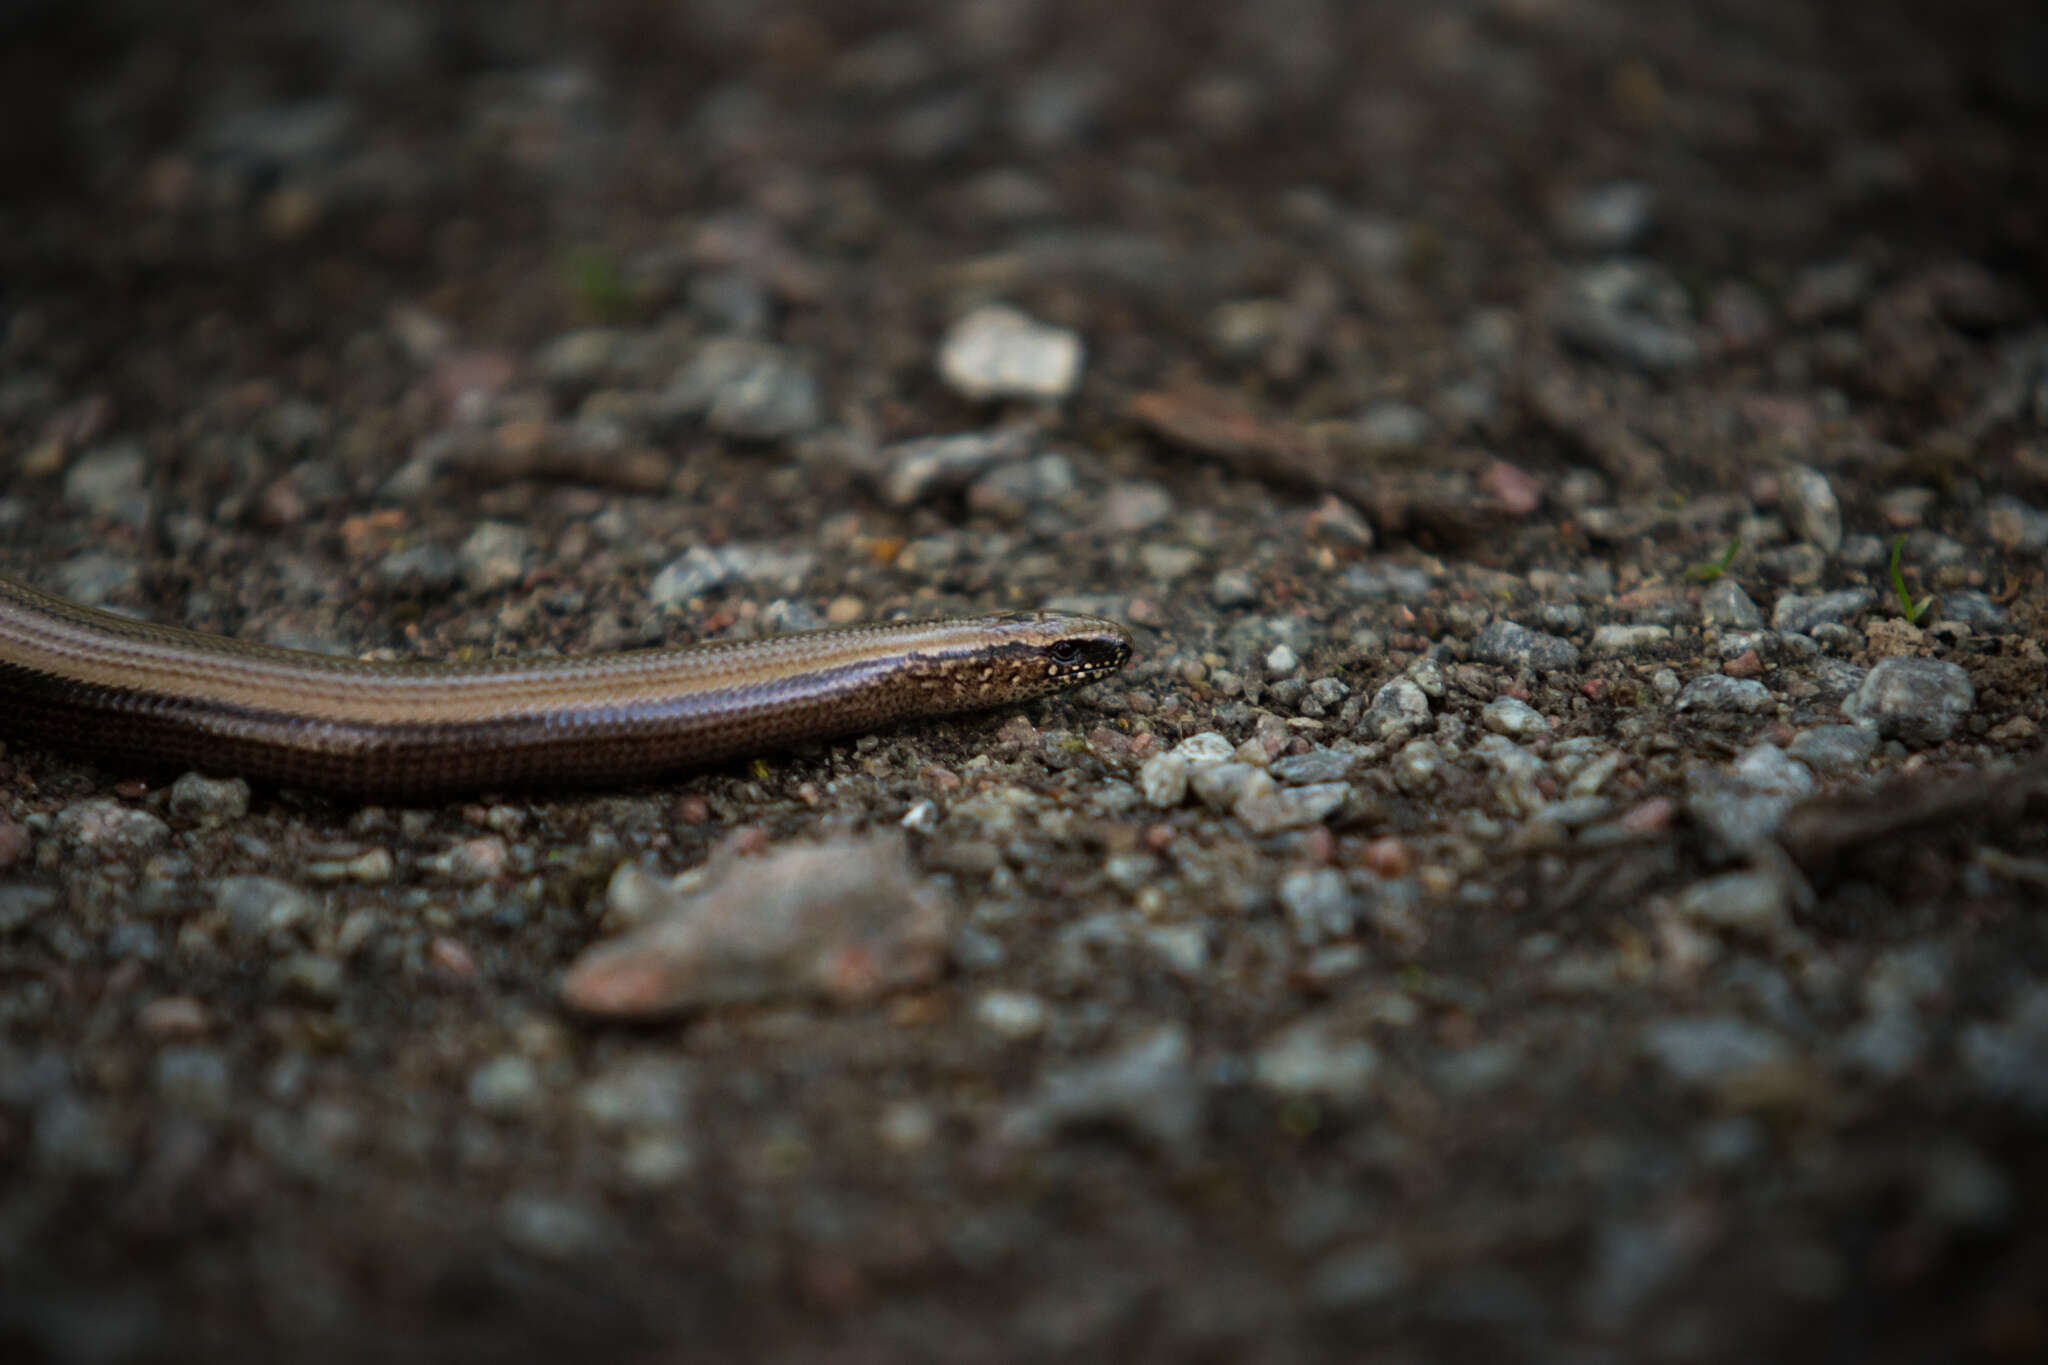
[(1743, 665), (1517, 493), (1159, 838), (14, 841), (1017, 730), (1108, 743), (745, 840), (1144, 744), (451, 958), (941, 779), (693, 810), (1593, 689), (173, 1016), (1651, 816), (1317, 846), (134, 789), (1388, 857)]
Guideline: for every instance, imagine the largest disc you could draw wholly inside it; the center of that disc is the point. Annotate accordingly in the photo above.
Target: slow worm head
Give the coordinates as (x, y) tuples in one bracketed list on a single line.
[(147, 695)]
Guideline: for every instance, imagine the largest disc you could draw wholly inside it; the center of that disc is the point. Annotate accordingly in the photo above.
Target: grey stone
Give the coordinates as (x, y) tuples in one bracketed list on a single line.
[(1797, 613), (748, 390), (1614, 216), (111, 481), (1233, 588), (933, 466), (1718, 692), (1316, 1061), (1319, 904), (1629, 312), (1507, 645), (1394, 426), (1724, 603), (262, 907), (1399, 708), (1148, 1089), (1756, 903), (1916, 701), (209, 800), (2008, 1061), (1620, 638), (1834, 748), (1708, 1051), (1267, 811), (506, 1085), (638, 1092), (1810, 509), (493, 556)]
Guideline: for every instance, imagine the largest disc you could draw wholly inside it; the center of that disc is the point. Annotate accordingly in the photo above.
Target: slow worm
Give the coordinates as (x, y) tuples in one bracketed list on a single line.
[(157, 696)]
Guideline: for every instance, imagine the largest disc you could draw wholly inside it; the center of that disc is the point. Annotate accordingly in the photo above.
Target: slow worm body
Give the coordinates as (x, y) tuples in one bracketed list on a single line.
[(158, 696)]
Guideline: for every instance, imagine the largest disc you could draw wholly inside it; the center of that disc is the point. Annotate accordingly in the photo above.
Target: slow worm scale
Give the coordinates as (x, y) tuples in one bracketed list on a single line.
[(81, 679)]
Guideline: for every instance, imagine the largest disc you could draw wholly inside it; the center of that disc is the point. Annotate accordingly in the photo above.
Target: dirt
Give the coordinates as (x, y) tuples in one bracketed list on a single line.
[(1587, 990)]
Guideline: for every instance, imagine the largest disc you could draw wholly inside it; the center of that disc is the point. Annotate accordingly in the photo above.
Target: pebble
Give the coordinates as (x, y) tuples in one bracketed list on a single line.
[(581, 357), (1317, 765), (208, 800), (1715, 692), (1014, 1015), (1418, 766), (2015, 525), (935, 466), (1617, 638), (1976, 610), (1281, 662), (1315, 1061), (111, 481), (23, 902), (193, 1079), (493, 556), (309, 977), (262, 908), (558, 1229), (1392, 426), (1233, 588), (1130, 508), (844, 919), (1614, 216), (643, 1092), (103, 825), (748, 390), (1708, 1052), (1724, 603), (1507, 645), (1267, 811), (1320, 905), (1916, 701), (1147, 1089), (506, 1086), (422, 570), (1221, 786), (1630, 312), (1834, 748), (1827, 292), (997, 352), (701, 568), (1800, 614), (2008, 1061), (97, 577), (1398, 710), (1807, 501), (1164, 780), (1757, 903), (1738, 811)]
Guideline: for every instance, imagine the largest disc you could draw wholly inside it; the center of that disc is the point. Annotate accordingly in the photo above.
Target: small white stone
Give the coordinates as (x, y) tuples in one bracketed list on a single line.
[(999, 352)]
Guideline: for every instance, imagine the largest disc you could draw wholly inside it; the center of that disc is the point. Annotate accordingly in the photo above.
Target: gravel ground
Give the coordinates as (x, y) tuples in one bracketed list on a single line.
[(1562, 879)]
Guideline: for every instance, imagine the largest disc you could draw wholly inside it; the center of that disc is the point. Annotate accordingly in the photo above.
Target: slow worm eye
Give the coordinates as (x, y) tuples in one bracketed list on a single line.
[(1066, 652)]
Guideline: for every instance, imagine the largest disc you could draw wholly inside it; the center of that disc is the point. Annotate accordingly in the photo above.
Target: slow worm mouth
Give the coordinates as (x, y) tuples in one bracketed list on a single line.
[(141, 694)]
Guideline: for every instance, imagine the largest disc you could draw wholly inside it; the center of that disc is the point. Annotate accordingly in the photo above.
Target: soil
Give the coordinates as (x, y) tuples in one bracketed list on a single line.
[(1539, 962)]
